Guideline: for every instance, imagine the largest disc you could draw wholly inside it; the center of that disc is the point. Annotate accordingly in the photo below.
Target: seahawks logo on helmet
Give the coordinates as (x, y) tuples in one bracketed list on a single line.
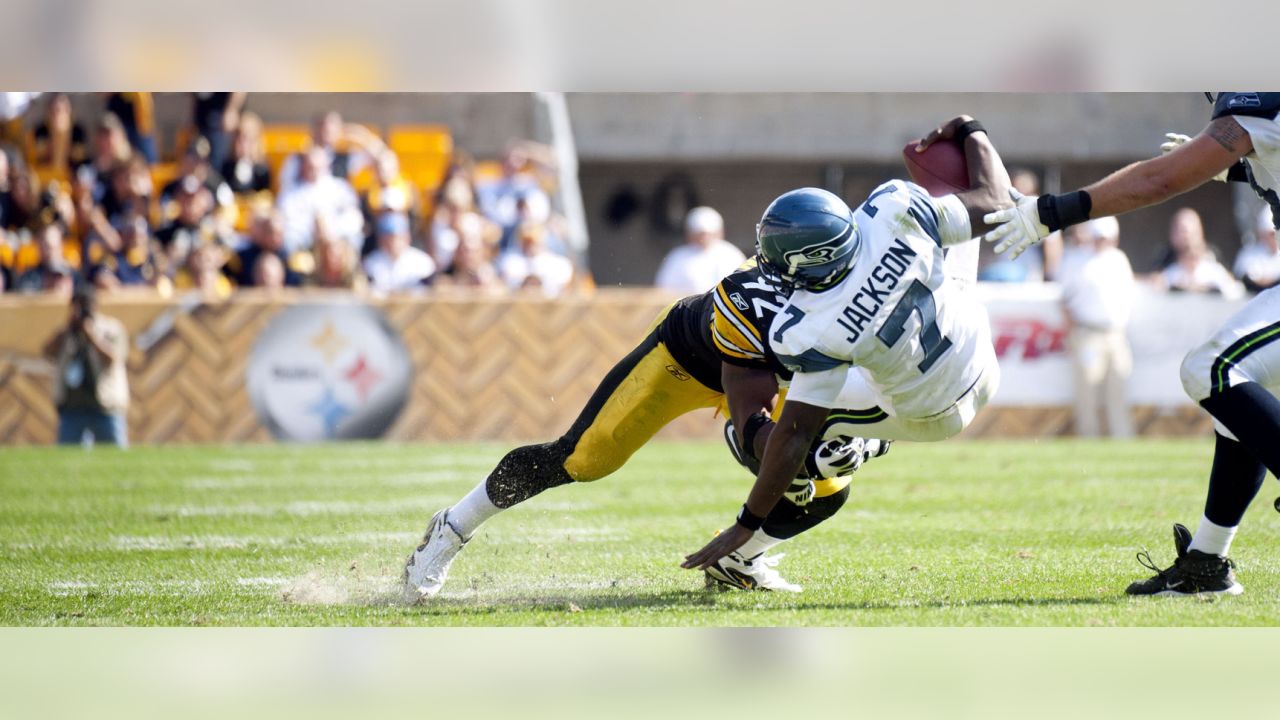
[(819, 254)]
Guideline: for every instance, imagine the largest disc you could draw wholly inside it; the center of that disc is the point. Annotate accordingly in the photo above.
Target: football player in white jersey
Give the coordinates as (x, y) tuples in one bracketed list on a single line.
[(876, 320), (1236, 374)]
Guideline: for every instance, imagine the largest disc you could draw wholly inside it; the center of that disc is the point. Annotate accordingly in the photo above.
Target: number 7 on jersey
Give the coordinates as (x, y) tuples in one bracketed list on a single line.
[(916, 299)]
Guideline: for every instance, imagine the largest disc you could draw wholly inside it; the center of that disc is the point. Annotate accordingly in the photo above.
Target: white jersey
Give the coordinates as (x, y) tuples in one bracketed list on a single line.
[(1259, 115), (898, 315)]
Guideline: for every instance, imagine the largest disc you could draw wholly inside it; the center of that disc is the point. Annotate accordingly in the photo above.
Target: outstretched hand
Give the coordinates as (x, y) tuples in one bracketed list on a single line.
[(727, 541), (1016, 228)]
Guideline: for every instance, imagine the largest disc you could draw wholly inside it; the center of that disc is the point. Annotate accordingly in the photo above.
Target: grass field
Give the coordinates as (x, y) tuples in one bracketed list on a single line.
[(958, 533)]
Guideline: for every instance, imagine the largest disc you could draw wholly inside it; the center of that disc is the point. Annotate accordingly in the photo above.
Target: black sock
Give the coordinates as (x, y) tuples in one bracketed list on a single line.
[(1235, 480), (787, 519)]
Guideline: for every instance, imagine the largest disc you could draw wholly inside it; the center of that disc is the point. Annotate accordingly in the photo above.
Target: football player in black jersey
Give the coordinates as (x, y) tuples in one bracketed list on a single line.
[(1234, 374), (704, 351)]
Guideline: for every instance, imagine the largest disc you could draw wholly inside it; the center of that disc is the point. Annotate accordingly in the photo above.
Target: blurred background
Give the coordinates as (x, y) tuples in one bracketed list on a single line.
[(512, 246)]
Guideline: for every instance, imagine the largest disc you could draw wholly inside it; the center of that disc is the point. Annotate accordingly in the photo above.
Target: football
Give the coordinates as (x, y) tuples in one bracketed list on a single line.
[(940, 169)]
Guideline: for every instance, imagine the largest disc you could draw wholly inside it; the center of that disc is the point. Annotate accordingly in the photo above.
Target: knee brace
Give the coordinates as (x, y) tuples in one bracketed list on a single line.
[(525, 472)]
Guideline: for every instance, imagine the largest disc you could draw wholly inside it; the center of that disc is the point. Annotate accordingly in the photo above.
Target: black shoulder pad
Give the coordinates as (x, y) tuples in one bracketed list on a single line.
[(1248, 104)]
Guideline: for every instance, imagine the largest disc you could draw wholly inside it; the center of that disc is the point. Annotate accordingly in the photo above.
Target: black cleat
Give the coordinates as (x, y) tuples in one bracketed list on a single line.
[(1193, 573)]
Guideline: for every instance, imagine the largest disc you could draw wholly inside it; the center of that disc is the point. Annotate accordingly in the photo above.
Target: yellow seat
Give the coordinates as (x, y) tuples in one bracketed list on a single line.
[(424, 171), (420, 139), (50, 173)]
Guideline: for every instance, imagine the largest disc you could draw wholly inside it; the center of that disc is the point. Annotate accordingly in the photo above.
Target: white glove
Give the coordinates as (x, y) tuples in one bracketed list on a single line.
[(1018, 227), (1177, 140)]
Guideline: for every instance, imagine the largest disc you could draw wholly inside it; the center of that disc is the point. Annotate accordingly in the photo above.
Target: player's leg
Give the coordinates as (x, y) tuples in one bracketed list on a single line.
[(641, 394), (1232, 377)]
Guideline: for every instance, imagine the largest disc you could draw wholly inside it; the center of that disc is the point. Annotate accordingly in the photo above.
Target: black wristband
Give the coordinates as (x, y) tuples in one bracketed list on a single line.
[(1059, 211), (750, 429), (968, 128), (749, 520)]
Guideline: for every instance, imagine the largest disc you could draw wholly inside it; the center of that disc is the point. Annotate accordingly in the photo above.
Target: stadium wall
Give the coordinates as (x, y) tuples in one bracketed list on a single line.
[(482, 369)]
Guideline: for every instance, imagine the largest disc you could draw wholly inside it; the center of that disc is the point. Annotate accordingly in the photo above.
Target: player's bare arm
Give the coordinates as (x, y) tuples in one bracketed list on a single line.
[(749, 391), (783, 457), (988, 178), (1215, 150)]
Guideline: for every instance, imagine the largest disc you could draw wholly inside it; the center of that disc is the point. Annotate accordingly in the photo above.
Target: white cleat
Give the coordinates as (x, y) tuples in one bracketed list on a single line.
[(758, 573), (428, 566)]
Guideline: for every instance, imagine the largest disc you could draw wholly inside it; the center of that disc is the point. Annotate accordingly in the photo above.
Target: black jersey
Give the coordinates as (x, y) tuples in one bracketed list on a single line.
[(728, 323)]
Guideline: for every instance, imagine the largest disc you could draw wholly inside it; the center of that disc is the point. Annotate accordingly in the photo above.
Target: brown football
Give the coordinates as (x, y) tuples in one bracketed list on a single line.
[(941, 168)]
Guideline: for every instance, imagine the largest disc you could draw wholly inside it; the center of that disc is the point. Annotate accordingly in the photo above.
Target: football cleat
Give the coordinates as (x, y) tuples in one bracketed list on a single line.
[(428, 566), (1192, 573), (757, 573)]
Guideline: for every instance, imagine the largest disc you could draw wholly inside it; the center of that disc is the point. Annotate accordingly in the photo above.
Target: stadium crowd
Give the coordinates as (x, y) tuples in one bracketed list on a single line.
[(91, 201)]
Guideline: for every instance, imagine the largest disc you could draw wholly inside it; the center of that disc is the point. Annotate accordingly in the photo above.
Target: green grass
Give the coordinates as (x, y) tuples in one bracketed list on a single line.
[(957, 533)]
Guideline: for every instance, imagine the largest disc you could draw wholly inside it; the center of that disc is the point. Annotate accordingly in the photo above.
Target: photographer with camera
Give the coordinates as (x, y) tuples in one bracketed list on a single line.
[(90, 389)]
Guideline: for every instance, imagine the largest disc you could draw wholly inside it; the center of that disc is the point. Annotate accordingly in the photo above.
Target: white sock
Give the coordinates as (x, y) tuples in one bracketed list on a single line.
[(470, 512), (757, 544), (1212, 538)]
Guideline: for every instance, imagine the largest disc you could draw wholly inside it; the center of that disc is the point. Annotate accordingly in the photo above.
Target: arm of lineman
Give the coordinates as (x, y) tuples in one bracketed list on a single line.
[(988, 180), (783, 457), (1216, 149), (749, 392)]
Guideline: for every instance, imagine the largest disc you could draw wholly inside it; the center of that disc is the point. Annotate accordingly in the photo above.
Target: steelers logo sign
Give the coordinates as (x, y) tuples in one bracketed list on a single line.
[(328, 372)]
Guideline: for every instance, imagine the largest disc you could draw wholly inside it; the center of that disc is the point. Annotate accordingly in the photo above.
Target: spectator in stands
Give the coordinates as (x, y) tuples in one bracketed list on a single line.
[(349, 148), (318, 194), (470, 266), (137, 116), (51, 272), (1258, 264), (397, 266), (465, 227), (266, 237), (21, 204), (535, 207), (391, 192), (521, 166), (455, 207), (134, 265), (215, 117), (245, 169), (532, 266), (60, 142), (91, 387), (1098, 293), (269, 272), (336, 264), (195, 164), (1194, 267), (111, 150), (705, 258), (6, 188), (202, 272), (129, 192), (192, 226)]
